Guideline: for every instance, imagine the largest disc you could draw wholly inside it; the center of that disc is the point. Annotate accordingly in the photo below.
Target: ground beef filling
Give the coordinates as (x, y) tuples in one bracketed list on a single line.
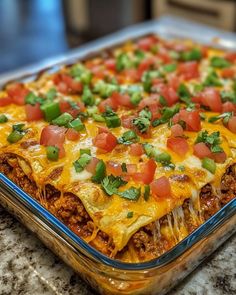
[(149, 241), (67, 207), (143, 240)]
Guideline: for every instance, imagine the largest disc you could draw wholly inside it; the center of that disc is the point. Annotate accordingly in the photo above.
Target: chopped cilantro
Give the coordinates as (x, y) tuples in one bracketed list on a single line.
[(197, 88), (110, 184), (142, 123), (123, 167), (146, 194), (184, 93), (163, 101), (139, 56), (130, 214), (181, 167), (213, 140), (219, 62), (194, 54), (169, 68), (3, 118), (123, 61), (167, 114), (225, 116), (128, 137), (212, 79), (100, 172), (32, 99), (147, 78), (131, 193), (228, 96)]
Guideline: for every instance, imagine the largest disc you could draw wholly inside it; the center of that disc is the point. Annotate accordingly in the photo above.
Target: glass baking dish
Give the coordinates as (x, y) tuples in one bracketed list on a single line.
[(106, 275)]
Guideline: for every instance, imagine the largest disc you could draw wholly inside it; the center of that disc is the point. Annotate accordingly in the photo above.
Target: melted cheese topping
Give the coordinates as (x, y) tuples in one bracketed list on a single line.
[(110, 213)]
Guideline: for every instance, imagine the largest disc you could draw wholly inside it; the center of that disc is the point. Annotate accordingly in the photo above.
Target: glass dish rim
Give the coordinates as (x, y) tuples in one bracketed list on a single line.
[(164, 26)]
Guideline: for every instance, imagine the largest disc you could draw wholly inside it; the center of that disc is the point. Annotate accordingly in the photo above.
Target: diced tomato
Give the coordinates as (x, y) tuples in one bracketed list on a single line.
[(192, 119), (178, 145), (126, 121), (219, 157), (152, 102), (174, 82), (4, 101), (176, 118), (91, 167), (211, 98), (130, 75), (64, 106), (114, 168), (107, 103), (54, 136), (197, 99), (170, 94), (110, 64), (231, 56), (157, 83), (73, 111), (66, 84), (161, 187), (121, 99), (62, 152), (18, 93), (33, 112), (146, 43), (164, 56), (189, 70), (99, 72), (179, 47), (145, 65), (131, 168), (136, 149), (177, 130), (204, 51), (228, 73), (146, 173), (228, 106), (201, 150), (232, 124), (103, 129), (105, 141), (72, 134)]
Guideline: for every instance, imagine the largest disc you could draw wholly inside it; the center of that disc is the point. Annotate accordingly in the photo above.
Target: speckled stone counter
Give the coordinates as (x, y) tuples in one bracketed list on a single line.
[(28, 268)]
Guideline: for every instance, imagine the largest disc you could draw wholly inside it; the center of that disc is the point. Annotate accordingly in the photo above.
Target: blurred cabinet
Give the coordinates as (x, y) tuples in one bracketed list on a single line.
[(94, 18), (218, 13)]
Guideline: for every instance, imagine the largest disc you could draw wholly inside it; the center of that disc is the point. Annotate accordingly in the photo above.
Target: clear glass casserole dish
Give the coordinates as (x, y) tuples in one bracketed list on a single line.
[(104, 274)]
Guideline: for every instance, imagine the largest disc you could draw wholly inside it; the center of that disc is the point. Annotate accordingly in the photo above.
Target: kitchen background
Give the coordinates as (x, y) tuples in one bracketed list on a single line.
[(31, 30)]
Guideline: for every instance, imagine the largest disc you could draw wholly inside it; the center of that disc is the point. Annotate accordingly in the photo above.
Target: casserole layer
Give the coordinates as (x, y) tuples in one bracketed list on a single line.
[(157, 116), (149, 241)]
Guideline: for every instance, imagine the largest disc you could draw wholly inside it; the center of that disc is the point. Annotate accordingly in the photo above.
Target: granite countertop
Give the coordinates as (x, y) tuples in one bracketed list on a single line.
[(28, 267)]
